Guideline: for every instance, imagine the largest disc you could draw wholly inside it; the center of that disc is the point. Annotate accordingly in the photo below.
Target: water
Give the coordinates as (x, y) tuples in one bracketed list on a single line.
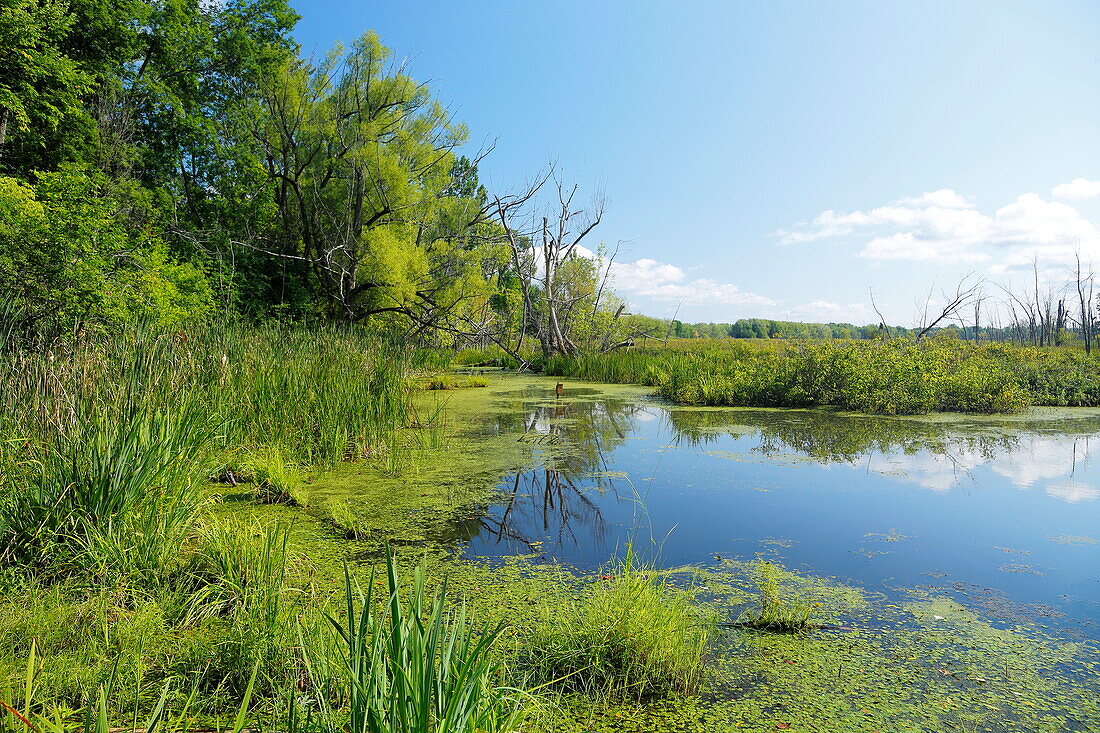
[(1001, 512)]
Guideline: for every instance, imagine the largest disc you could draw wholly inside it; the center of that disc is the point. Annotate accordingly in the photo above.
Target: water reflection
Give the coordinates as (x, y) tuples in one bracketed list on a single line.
[(559, 501), (977, 503), (562, 500), (1052, 455)]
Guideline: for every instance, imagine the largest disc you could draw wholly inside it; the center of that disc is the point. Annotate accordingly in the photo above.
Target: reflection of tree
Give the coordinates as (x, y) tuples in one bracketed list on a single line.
[(545, 503), (845, 437), (570, 441)]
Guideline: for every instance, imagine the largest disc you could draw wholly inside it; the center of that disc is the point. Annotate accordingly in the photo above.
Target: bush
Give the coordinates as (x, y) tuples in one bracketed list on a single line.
[(898, 377)]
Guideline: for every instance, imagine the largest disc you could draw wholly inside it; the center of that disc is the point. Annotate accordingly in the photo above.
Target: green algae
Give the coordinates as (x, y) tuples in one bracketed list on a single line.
[(925, 663), (928, 664)]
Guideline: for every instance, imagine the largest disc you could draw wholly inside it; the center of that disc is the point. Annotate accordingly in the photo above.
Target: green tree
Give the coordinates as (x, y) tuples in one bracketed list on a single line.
[(356, 160), (75, 251), (39, 84)]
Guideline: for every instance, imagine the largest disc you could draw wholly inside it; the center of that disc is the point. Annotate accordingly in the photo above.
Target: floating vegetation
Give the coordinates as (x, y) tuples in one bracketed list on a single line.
[(892, 536), (1068, 539), (1010, 550), (1017, 567), (995, 605)]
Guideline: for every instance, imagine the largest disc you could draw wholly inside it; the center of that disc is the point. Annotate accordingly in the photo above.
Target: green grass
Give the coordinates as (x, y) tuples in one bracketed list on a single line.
[(778, 612), (891, 377), (631, 635), (409, 664), (106, 446)]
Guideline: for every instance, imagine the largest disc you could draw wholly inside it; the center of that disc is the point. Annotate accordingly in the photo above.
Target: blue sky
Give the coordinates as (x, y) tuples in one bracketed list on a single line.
[(778, 159)]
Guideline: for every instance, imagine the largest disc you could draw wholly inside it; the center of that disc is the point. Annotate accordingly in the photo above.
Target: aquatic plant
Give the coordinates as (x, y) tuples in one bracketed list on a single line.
[(632, 634), (777, 613), (410, 665)]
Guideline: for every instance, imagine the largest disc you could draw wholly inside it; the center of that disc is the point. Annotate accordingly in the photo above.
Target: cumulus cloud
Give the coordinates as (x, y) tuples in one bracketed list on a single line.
[(944, 226), (661, 281), (1077, 190)]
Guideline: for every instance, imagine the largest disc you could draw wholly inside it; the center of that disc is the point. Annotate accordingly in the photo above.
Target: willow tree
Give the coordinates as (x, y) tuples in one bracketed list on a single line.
[(358, 162)]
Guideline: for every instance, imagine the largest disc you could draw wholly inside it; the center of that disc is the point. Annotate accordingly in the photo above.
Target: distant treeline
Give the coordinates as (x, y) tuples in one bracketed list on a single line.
[(764, 328)]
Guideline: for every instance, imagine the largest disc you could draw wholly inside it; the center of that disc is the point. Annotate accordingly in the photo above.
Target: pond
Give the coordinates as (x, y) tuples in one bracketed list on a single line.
[(1002, 513)]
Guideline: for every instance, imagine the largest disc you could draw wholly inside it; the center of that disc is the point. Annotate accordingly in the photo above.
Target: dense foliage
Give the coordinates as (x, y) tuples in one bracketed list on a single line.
[(160, 162), (892, 377)]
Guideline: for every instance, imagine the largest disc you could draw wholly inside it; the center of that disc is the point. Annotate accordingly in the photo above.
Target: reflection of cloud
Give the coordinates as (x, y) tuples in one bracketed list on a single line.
[(935, 471), (1037, 459), (1035, 462), (1072, 490)]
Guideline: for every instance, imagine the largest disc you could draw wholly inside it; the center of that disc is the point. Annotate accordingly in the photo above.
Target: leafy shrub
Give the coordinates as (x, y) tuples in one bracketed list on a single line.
[(893, 377)]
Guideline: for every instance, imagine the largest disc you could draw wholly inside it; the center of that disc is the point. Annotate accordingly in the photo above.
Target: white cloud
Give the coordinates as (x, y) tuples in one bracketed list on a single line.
[(944, 226), (824, 311), (645, 273), (1077, 189), (661, 281)]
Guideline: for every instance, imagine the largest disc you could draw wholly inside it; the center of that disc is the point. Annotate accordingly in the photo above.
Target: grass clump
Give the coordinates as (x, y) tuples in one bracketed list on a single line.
[(777, 613), (632, 635), (409, 664), (277, 480), (454, 381)]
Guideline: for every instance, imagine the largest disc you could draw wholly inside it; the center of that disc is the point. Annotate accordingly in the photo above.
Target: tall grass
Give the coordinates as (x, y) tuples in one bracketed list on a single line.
[(411, 665), (893, 377), (632, 635), (105, 445)]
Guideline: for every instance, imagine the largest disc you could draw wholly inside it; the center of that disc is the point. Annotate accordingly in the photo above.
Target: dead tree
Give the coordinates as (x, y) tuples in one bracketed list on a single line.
[(537, 267), (1085, 300), (954, 302)]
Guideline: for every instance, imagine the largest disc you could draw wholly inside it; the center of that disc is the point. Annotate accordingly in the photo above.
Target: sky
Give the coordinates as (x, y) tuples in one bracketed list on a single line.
[(780, 159)]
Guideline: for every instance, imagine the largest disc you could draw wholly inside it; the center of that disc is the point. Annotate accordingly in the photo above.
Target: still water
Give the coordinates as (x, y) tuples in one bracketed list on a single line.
[(1001, 512)]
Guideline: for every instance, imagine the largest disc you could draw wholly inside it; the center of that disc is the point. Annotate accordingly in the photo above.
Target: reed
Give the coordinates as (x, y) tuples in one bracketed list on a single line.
[(105, 444), (409, 665)]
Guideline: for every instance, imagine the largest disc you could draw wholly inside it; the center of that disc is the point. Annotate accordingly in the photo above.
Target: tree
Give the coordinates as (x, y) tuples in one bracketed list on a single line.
[(547, 296), (357, 160), (966, 290), (77, 251), (1086, 303), (39, 85)]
